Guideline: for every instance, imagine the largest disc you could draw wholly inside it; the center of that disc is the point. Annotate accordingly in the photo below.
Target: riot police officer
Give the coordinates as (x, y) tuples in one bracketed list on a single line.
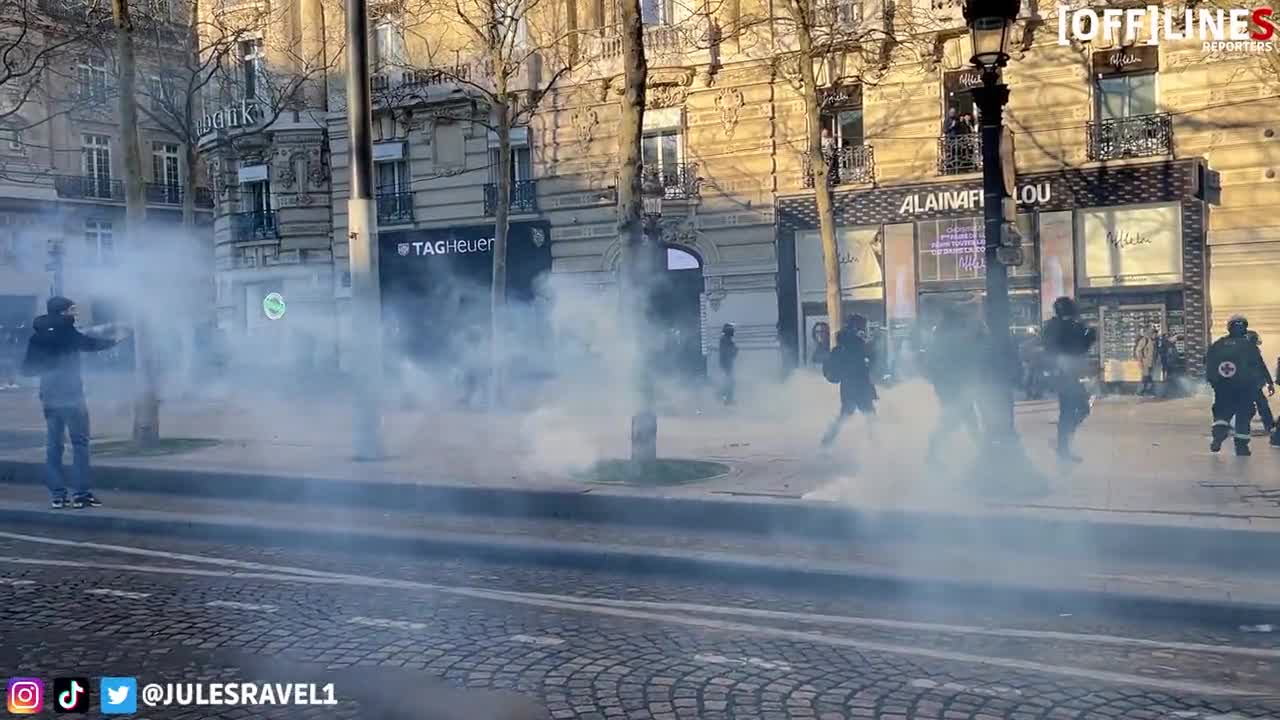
[(1235, 368)]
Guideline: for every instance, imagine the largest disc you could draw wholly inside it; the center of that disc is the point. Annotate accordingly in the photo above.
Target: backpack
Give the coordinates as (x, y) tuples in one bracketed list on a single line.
[(36, 361), (831, 367), (1228, 361)]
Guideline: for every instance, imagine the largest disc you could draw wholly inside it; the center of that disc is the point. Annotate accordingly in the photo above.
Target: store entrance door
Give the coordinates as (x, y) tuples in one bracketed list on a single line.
[(1120, 329), (677, 313)]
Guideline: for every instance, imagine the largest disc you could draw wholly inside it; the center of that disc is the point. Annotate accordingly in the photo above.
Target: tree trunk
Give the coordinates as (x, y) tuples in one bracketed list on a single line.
[(501, 225), (638, 256), (146, 408), (821, 170)]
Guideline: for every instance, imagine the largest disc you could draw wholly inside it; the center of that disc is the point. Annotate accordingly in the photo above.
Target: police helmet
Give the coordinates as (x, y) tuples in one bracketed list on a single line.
[(1237, 326), (728, 329), (1064, 307)]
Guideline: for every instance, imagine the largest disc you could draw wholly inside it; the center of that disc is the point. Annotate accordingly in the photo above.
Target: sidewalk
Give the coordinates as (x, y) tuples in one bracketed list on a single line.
[(1146, 461)]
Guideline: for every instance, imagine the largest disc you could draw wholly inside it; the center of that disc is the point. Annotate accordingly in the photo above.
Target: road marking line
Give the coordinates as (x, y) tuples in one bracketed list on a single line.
[(233, 605), (748, 661), (723, 625), (541, 640), (109, 592), (856, 621), (14, 582), (387, 624), (989, 690)]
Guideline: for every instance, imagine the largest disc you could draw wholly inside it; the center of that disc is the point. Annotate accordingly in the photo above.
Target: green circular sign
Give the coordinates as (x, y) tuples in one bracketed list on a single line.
[(273, 306)]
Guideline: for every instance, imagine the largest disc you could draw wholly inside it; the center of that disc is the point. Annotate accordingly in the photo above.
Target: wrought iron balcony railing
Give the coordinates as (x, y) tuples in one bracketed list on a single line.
[(524, 197), (164, 194), (255, 225), (1138, 136), (847, 165), (395, 207), (959, 154), (679, 181), (88, 187)]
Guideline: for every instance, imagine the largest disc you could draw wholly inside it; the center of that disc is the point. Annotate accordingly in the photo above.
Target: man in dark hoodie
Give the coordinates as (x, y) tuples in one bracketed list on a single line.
[(53, 353), (728, 360), (849, 365)]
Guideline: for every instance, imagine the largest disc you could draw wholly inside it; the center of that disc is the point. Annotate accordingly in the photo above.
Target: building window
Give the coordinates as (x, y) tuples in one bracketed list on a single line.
[(165, 167), (955, 249), (388, 45), (521, 164), (251, 64), (842, 127), (99, 241), (657, 12), (661, 151), (12, 139), (391, 177), (93, 78), (1126, 96), (96, 150), (159, 91), (255, 197)]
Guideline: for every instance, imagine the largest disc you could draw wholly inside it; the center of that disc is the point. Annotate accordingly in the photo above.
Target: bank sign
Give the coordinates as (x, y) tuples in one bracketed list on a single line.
[(969, 200), (245, 114), (452, 246)]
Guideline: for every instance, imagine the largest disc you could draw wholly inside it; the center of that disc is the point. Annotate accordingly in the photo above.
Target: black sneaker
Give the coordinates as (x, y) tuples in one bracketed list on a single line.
[(84, 501), (58, 503), (1215, 445), (1242, 449)]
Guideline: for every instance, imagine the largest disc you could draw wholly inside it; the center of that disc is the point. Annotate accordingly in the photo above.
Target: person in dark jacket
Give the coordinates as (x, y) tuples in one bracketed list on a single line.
[(1260, 400), (728, 359), (1235, 369), (1067, 342), (850, 365), (53, 353)]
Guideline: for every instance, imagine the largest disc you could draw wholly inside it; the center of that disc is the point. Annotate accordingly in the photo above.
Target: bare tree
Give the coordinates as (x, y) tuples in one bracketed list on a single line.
[(517, 51), (36, 35), (146, 408), (640, 253)]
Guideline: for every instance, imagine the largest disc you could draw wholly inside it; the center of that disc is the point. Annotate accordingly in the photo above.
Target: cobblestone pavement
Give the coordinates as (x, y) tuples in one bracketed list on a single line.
[(596, 644)]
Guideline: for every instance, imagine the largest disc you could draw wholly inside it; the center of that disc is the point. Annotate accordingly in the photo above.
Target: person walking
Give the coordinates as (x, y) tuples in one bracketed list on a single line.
[(953, 364), (849, 366), (53, 354), (1067, 342), (728, 359), (1260, 398), (9, 357), (1146, 351), (1235, 369)]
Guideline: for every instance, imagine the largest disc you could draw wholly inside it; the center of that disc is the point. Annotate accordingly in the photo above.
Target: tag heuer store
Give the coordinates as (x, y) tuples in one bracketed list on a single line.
[(1127, 242)]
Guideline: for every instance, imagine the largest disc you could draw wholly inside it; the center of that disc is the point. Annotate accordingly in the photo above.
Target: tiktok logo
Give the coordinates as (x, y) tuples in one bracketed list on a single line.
[(71, 695)]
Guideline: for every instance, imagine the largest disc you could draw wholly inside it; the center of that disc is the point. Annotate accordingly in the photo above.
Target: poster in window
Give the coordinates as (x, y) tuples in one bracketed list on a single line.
[(900, 272), (861, 255), (1057, 260), (1128, 246)]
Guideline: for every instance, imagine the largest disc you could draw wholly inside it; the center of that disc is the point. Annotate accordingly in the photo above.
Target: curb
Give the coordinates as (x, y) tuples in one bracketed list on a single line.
[(1228, 548), (819, 577)]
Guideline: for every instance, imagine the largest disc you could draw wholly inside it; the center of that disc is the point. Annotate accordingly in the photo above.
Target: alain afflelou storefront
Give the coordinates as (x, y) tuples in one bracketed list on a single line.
[(1128, 242)]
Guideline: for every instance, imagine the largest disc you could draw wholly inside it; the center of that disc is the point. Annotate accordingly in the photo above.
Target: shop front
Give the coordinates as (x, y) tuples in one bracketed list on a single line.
[(436, 287), (1127, 242)]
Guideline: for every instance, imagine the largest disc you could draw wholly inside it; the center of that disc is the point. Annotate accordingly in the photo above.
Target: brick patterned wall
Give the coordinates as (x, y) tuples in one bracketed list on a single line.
[(1195, 285)]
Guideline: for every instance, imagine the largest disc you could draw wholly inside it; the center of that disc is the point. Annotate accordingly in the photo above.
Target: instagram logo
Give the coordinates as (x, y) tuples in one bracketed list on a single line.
[(26, 696)]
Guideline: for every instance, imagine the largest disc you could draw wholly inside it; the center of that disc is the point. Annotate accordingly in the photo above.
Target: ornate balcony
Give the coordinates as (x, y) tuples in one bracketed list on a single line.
[(395, 208), (88, 187), (659, 40), (524, 197), (254, 226), (679, 181), (959, 154), (1131, 137), (164, 194), (848, 166)]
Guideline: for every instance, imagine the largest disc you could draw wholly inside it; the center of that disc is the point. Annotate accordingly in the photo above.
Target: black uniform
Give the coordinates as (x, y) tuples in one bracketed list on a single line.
[(728, 359), (1067, 342), (1235, 368), (850, 365)]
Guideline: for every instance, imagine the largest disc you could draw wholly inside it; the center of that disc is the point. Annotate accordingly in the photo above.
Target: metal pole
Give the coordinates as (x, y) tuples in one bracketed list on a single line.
[(991, 98), (362, 238)]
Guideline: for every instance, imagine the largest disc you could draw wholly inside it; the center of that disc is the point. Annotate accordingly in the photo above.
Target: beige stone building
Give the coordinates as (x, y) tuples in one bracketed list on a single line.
[(61, 167), (1142, 172)]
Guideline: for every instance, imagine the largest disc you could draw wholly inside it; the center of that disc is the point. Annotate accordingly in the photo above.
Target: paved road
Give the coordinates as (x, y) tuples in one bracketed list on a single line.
[(592, 645)]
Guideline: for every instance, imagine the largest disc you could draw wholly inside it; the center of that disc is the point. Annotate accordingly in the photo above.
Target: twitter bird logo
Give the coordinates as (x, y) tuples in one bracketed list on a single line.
[(119, 695)]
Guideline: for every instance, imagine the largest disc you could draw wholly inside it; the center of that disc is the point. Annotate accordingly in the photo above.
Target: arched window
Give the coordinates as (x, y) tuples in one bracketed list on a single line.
[(678, 259)]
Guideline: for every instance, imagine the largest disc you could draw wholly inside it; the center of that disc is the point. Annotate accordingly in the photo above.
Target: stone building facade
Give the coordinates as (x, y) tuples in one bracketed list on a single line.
[(1144, 169)]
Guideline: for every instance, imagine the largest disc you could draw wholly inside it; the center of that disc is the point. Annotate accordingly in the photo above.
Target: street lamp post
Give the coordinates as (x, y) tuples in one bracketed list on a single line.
[(990, 26), (362, 238)]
